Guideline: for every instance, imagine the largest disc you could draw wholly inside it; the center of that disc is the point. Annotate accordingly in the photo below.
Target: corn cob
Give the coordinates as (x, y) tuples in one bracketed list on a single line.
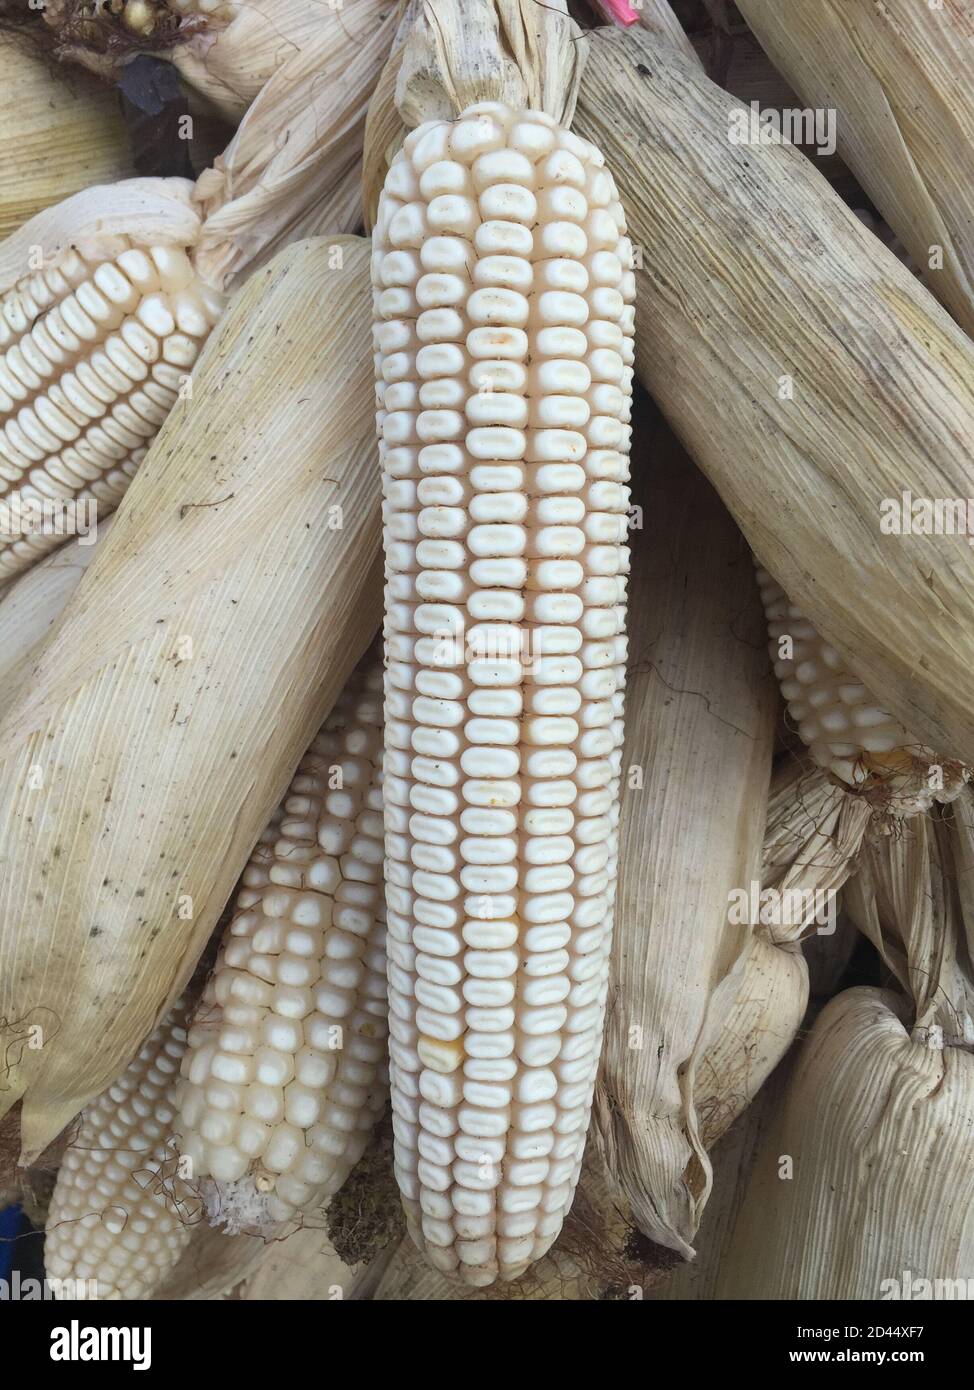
[(95, 348), (94, 354), (283, 1075), (847, 731), (503, 336), (121, 1213)]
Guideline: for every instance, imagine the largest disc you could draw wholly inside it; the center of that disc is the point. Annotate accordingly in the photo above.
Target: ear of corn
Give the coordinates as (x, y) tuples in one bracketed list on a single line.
[(284, 1074), (226, 566), (880, 1186), (696, 763), (897, 76), (121, 1213), (96, 344), (810, 388), (60, 135), (503, 348), (846, 729)]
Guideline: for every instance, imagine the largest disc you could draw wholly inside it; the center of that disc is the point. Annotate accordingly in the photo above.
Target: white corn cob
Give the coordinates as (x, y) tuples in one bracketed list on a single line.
[(502, 291), (93, 352), (285, 1072), (844, 727), (121, 1213)]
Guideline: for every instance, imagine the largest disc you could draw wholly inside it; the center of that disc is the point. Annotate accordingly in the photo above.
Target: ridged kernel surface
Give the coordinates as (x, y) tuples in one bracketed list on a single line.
[(844, 727), (120, 1214), (92, 356), (285, 1073), (503, 297)]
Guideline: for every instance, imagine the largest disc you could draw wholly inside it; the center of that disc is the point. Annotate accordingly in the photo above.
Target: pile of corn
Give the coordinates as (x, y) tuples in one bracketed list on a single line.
[(506, 954)]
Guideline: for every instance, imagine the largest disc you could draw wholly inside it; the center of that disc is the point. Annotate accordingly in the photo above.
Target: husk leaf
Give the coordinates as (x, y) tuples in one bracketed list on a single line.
[(904, 899), (220, 619), (459, 52), (230, 64), (384, 133), (753, 1018), (61, 133), (756, 274), (897, 76), (212, 1265), (33, 601), (699, 721), (814, 836), (732, 1158), (877, 1128), (293, 167)]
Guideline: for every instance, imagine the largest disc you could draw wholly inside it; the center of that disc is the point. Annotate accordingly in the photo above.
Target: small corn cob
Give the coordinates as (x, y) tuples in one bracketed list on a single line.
[(503, 323), (847, 731), (93, 352), (121, 1213), (284, 1070)]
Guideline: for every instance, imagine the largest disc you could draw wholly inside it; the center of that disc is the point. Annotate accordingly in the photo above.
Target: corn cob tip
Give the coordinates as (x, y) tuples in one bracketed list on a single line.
[(844, 727)]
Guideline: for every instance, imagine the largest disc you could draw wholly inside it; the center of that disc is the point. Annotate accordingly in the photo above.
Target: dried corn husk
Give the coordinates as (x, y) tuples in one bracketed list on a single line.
[(657, 16), (815, 831), (812, 840), (780, 287), (61, 133), (753, 1018), (898, 77), (696, 764), (227, 52), (732, 1159), (32, 602), (904, 899), (385, 131), (219, 620), (212, 1264), (304, 1266), (866, 1176), (738, 63), (459, 52), (293, 168)]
